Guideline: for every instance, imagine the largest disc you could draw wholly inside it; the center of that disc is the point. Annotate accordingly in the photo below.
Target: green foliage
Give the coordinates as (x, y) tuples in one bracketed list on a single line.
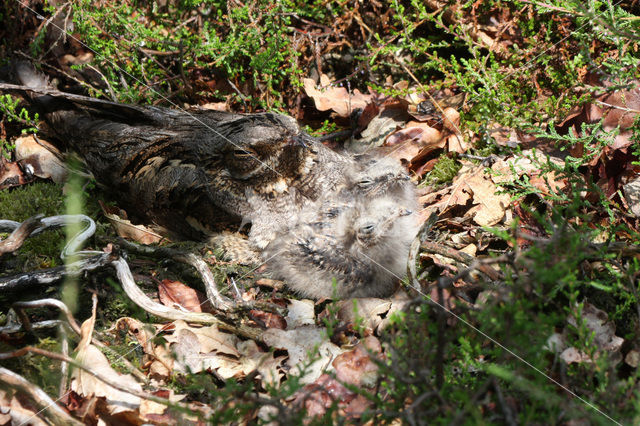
[(21, 203), (10, 112), (36, 368), (443, 171), (248, 46)]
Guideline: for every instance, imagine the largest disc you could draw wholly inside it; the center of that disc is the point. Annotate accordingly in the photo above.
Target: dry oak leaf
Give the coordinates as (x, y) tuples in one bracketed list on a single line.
[(85, 384), (42, 157), (301, 344), (207, 348), (631, 191), (172, 293), (490, 207), (416, 139), (300, 312), (529, 162), (604, 338), (125, 229), (11, 174), (337, 99), (152, 411)]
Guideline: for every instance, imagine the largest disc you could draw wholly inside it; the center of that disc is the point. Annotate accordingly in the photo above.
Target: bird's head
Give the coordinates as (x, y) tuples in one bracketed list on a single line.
[(267, 151), (377, 176)]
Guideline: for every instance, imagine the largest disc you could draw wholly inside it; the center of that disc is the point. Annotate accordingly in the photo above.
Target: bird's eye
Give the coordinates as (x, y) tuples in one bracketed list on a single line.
[(333, 212), (365, 182), (242, 153), (367, 229)]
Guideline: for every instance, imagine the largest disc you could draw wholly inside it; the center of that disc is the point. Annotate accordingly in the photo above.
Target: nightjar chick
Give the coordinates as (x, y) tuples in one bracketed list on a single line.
[(381, 176), (362, 247)]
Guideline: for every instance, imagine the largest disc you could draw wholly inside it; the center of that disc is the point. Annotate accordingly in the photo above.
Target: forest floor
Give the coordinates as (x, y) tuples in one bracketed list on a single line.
[(518, 122)]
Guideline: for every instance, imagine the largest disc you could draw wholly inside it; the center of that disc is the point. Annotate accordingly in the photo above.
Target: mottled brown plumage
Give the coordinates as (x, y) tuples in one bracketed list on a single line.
[(194, 172)]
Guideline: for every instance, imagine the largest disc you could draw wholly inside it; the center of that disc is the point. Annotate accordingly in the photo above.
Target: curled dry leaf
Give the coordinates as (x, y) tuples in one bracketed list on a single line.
[(415, 140), (126, 229), (355, 368), (337, 99), (43, 158), (11, 174), (631, 191), (604, 337), (300, 343), (172, 293), (300, 312), (451, 120), (86, 385)]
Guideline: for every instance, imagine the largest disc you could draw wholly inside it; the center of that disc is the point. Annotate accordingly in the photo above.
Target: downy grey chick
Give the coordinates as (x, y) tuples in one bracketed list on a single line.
[(379, 176), (364, 249)]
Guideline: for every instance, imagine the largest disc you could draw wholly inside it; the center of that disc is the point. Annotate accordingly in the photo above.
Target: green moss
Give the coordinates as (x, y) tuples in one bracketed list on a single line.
[(444, 171), (21, 203)]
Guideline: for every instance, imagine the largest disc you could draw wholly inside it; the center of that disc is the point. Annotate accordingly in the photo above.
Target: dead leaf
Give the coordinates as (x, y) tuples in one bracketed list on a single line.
[(126, 229), (335, 98), (81, 59), (378, 129), (571, 355), (151, 409), (416, 131), (356, 367), (43, 158), (216, 106), (11, 174), (604, 330), (490, 206), (632, 358), (631, 191), (172, 293), (604, 338), (268, 319), (85, 384), (370, 310), (456, 143), (299, 343), (300, 313), (451, 120)]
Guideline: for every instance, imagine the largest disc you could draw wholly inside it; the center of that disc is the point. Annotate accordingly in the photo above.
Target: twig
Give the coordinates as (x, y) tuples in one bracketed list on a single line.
[(138, 297), (218, 300), (43, 277), (441, 318), (14, 241), (64, 367), (53, 355), (25, 324), (43, 402), (462, 257), (19, 308), (506, 410), (415, 248)]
